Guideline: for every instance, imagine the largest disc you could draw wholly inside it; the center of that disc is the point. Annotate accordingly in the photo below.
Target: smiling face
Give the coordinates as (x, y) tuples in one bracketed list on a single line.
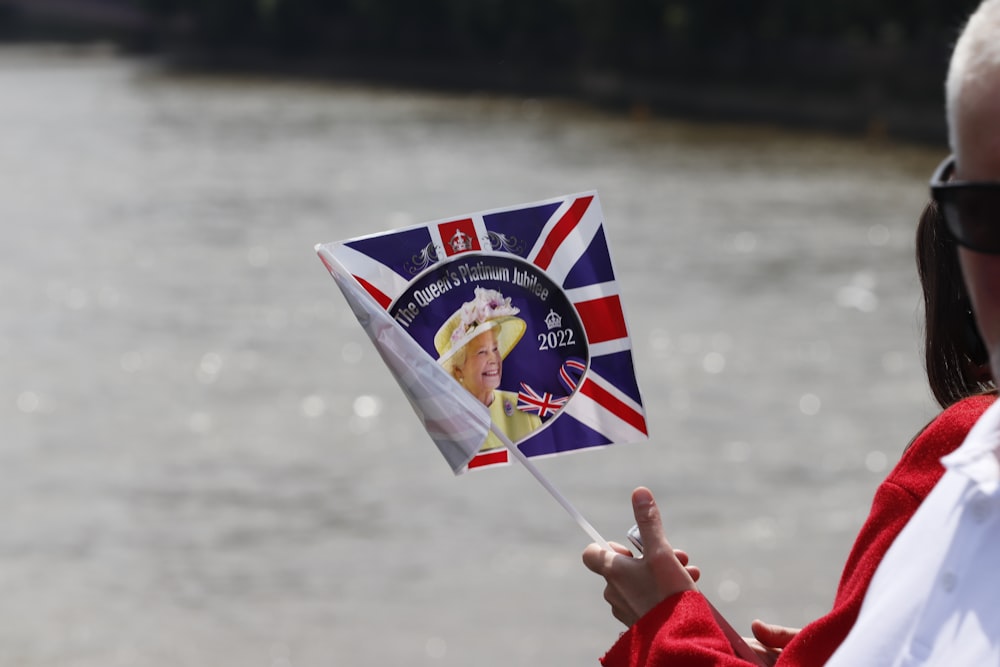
[(482, 367)]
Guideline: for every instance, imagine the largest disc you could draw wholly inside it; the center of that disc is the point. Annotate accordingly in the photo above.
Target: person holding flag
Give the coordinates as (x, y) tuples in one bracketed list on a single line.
[(670, 622), (919, 586), (933, 599)]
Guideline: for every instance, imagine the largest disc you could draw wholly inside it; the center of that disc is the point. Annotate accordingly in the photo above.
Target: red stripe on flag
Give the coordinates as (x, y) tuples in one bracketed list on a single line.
[(606, 400), (602, 318), (383, 300), (488, 459), (562, 229)]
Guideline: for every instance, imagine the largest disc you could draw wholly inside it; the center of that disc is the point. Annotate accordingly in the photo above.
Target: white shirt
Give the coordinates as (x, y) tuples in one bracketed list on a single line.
[(935, 598)]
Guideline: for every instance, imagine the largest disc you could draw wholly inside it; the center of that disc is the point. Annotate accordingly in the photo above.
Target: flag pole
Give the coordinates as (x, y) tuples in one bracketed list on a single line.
[(553, 491)]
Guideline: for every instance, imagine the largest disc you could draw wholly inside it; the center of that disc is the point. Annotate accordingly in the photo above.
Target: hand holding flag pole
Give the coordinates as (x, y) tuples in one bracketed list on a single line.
[(571, 236), (457, 422)]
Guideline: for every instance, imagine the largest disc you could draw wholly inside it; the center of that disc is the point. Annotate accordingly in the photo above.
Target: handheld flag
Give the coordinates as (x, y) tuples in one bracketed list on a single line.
[(467, 291), (520, 306)]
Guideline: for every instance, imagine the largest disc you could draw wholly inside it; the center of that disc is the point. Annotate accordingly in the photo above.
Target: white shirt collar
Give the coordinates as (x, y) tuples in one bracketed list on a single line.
[(977, 458)]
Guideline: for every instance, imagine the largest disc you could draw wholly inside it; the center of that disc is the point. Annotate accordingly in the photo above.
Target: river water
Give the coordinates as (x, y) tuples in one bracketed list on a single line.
[(205, 462)]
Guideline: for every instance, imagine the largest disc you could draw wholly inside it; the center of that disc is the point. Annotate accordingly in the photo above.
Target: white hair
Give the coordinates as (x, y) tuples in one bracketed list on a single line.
[(975, 63)]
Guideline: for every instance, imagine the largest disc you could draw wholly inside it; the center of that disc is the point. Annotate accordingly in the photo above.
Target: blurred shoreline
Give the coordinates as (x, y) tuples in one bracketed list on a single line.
[(857, 105), (870, 115)]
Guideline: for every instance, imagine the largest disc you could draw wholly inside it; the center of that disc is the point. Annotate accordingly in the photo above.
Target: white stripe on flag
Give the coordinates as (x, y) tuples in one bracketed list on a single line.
[(606, 385), (359, 264), (482, 233), (575, 245), (594, 415), (591, 292), (610, 347)]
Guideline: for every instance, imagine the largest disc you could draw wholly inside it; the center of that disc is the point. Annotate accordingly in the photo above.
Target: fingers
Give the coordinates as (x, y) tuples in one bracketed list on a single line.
[(597, 558), (637, 585), (647, 517), (623, 550), (684, 560), (620, 607), (601, 561), (771, 635), (765, 655)]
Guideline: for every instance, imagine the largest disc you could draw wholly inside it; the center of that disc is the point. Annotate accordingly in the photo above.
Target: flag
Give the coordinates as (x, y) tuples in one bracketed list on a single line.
[(456, 422), (538, 278)]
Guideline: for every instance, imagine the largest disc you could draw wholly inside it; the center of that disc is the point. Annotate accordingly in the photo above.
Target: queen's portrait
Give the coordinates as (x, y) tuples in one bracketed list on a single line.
[(472, 345)]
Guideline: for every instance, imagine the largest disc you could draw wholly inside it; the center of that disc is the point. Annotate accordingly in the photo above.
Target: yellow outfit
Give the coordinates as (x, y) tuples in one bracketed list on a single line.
[(514, 423)]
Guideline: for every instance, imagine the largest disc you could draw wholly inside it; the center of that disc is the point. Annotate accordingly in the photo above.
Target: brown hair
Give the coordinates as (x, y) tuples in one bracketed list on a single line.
[(954, 355)]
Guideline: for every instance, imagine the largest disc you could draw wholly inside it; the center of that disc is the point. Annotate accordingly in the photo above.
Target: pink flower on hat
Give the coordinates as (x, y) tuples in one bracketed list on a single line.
[(486, 305)]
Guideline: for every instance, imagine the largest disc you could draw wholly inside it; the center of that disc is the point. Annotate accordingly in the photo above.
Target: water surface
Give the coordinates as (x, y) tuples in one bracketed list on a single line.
[(205, 462)]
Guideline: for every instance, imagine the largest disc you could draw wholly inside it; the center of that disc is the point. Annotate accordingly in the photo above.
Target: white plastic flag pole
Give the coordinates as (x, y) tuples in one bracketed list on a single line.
[(553, 491)]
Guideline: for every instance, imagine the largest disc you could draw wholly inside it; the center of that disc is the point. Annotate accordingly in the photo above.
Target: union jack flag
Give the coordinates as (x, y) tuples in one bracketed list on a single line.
[(558, 243), (543, 405)]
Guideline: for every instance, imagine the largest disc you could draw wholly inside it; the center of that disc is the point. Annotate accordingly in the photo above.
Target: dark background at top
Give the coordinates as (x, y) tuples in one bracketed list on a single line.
[(856, 66)]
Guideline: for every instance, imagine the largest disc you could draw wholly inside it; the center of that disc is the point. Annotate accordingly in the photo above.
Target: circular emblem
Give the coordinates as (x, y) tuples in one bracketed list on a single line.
[(503, 329)]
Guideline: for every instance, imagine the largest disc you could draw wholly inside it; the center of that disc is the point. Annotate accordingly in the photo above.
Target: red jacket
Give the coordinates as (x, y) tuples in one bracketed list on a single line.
[(681, 630)]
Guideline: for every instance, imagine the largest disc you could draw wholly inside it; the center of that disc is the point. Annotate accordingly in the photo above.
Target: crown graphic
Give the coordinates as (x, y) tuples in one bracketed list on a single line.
[(460, 242), (553, 320)]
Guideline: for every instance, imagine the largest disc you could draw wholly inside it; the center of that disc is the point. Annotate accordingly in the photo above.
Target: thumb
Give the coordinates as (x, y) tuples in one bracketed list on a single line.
[(647, 518), (771, 635)]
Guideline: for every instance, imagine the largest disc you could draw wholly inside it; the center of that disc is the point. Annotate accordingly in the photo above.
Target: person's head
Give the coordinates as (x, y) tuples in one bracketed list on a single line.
[(478, 366), (973, 211), (475, 340), (954, 356)]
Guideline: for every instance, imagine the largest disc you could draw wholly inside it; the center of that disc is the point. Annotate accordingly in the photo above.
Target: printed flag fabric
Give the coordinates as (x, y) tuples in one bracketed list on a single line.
[(457, 423), (517, 308)]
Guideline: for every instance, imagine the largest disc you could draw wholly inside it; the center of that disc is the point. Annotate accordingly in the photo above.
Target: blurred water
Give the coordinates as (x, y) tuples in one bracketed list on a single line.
[(206, 464)]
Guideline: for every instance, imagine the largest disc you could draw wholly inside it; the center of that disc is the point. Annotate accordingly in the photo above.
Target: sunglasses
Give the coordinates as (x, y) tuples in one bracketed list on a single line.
[(971, 209)]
